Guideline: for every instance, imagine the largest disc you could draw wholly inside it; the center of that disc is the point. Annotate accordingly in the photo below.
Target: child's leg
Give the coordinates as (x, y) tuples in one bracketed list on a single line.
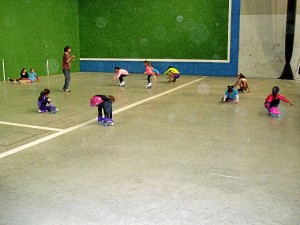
[(42, 110), (48, 108), (107, 107), (274, 111), (52, 108), (121, 78), (274, 103), (171, 76), (100, 117), (175, 77), (153, 76), (227, 99), (148, 78), (267, 105), (25, 81)]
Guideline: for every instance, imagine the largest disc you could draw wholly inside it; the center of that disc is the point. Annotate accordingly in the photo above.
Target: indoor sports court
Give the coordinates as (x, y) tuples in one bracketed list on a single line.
[(176, 154)]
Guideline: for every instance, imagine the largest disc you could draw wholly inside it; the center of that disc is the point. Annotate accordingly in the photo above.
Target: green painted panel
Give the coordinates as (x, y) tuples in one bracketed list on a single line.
[(159, 29), (34, 31)]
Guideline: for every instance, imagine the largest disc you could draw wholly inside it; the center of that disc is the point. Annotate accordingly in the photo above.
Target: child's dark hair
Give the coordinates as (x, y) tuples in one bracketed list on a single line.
[(242, 75), (66, 48), (169, 67), (230, 89), (112, 98), (117, 68), (275, 90), (147, 62), (44, 92)]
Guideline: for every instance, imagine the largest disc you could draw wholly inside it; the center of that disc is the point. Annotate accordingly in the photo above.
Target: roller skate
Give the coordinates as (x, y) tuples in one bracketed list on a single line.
[(148, 86), (172, 81), (107, 122), (13, 81), (53, 111), (274, 112), (42, 110), (100, 120), (122, 84)]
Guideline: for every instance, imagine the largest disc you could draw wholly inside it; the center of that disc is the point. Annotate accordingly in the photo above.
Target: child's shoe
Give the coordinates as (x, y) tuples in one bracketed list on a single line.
[(274, 112), (53, 111), (149, 85), (42, 111), (108, 122), (100, 120)]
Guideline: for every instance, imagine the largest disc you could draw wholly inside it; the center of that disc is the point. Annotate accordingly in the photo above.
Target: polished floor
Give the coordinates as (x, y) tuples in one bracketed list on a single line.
[(175, 156)]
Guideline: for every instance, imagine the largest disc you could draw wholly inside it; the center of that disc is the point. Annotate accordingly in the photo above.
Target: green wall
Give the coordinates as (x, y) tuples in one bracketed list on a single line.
[(157, 29), (34, 31)]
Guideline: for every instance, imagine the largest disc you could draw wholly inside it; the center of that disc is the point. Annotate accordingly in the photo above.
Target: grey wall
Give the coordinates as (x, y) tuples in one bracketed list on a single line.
[(262, 38)]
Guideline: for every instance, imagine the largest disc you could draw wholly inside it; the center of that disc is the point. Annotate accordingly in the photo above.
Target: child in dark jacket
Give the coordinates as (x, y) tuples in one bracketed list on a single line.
[(44, 102), (104, 104)]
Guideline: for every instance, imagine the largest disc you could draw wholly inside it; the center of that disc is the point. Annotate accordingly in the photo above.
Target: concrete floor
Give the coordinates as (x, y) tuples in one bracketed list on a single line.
[(177, 158)]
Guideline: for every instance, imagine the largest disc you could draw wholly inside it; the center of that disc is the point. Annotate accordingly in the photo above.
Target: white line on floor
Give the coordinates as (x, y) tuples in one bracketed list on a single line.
[(61, 132), (155, 96), (220, 175), (30, 126)]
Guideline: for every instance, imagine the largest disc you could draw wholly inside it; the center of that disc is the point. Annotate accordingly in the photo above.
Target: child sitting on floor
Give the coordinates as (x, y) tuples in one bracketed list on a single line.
[(242, 83), (44, 102), (231, 95)]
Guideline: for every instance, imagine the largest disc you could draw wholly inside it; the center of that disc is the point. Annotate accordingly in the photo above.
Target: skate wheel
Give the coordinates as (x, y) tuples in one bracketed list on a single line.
[(274, 115)]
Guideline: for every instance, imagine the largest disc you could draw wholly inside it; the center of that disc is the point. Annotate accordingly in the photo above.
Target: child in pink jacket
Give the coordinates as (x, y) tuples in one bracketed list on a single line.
[(273, 100), (148, 72)]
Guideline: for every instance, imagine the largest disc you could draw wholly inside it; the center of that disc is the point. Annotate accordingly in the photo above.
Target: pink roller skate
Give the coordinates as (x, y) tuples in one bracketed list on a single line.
[(274, 112)]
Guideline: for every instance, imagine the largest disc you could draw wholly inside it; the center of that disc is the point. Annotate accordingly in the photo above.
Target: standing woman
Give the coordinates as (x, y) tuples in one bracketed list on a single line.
[(66, 65)]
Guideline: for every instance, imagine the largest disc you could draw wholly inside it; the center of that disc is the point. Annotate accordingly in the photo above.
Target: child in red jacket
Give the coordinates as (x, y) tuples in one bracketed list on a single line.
[(273, 100)]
